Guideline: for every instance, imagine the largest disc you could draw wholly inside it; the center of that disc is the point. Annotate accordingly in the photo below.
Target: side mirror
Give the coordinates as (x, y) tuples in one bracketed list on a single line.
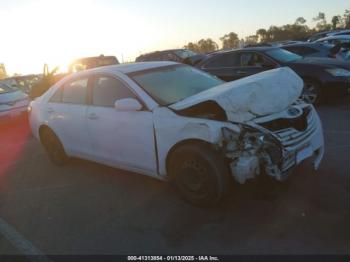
[(127, 104)]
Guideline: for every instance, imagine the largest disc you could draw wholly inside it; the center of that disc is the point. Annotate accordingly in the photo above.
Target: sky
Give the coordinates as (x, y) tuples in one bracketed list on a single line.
[(56, 32)]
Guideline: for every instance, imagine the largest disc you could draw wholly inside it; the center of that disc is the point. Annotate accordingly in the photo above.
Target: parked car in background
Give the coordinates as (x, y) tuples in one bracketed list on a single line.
[(310, 50), (13, 102), (328, 33), (174, 122), (51, 77), (92, 62), (323, 77), (184, 56), (23, 83), (344, 54), (335, 40)]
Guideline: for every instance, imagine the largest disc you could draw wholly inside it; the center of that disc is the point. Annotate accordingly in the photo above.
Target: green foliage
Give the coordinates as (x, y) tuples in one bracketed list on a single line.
[(230, 41), (346, 18), (300, 21), (203, 46), (251, 40), (336, 20)]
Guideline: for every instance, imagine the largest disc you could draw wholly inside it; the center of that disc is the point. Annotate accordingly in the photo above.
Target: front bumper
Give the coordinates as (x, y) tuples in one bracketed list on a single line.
[(299, 146)]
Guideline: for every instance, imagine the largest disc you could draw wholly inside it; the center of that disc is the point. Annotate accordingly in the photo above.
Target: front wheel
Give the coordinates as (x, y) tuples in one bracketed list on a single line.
[(312, 92), (199, 174)]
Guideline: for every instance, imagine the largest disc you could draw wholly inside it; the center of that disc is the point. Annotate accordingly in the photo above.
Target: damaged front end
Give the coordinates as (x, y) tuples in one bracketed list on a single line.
[(252, 152), (274, 145)]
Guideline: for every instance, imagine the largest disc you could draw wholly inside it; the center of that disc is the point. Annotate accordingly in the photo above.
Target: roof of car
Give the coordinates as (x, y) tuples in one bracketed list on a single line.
[(334, 37), (306, 44), (255, 48), (161, 51), (131, 67)]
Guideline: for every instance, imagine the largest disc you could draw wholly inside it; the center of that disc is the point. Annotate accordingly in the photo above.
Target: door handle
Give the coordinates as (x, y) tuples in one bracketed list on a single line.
[(241, 72), (93, 116), (50, 110)]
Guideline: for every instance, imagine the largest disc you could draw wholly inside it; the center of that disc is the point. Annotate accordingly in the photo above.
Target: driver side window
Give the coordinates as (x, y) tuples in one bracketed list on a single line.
[(106, 90)]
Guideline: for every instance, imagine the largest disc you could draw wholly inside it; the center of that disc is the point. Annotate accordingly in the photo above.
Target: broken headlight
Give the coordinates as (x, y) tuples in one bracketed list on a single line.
[(253, 142)]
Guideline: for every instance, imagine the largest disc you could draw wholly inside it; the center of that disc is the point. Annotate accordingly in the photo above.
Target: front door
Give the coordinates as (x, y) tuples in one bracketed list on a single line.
[(120, 138)]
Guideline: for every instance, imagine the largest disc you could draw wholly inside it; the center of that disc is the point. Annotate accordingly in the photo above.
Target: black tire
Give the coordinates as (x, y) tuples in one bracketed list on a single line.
[(53, 147), (312, 92), (199, 174)]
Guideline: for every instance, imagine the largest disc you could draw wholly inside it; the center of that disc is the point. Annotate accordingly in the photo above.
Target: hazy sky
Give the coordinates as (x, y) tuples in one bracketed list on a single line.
[(56, 32)]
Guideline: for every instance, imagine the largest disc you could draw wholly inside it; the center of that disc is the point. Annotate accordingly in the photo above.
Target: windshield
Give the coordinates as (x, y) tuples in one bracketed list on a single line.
[(185, 53), (168, 85), (283, 56), (7, 89)]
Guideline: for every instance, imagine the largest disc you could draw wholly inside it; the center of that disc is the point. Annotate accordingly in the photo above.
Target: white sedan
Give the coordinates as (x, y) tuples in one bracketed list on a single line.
[(174, 122), (13, 102)]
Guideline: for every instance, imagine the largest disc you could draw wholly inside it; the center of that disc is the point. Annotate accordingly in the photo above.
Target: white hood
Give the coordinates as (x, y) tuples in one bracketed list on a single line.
[(258, 95)]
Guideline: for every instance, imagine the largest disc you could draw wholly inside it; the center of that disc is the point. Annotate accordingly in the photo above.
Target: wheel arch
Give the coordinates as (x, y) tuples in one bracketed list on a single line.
[(191, 141), (44, 128)]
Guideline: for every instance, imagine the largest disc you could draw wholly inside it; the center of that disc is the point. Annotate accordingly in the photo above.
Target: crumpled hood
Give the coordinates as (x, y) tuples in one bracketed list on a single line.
[(258, 95)]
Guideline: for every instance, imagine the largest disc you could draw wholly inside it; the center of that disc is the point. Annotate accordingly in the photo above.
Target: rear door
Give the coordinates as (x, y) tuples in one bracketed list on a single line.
[(66, 111), (224, 66)]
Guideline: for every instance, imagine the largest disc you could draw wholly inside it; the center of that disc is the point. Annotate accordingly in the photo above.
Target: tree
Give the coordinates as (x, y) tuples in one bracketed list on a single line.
[(346, 18), (251, 40), (300, 21), (335, 21), (192, 46), (202, 46), (230, 41), (321, 22), (263, 35), (207, 45)]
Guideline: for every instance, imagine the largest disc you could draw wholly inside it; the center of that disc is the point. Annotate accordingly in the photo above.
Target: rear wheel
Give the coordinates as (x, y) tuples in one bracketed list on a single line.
[(199, 174), (53, 147), (312, 92)]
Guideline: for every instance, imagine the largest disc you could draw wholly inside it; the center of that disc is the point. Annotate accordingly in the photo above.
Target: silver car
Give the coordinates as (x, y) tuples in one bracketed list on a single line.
[(13, 102)]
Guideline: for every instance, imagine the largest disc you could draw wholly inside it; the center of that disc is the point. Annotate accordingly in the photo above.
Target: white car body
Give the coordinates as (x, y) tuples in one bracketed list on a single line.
[(13, 103), (141, 141)]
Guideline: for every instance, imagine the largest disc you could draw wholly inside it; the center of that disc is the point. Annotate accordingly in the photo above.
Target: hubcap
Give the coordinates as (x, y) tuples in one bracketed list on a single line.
[(310, 93), (193, 177)]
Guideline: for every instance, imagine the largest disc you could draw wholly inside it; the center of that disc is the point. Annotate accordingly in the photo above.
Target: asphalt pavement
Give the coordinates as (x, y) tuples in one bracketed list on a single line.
[(86, 208)]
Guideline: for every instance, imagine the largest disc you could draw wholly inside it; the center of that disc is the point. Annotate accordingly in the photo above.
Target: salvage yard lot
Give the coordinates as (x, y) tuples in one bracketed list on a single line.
[(86, 208)]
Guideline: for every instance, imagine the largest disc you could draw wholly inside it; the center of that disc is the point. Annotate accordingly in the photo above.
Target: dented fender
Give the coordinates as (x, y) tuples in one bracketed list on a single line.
[(172, 129)]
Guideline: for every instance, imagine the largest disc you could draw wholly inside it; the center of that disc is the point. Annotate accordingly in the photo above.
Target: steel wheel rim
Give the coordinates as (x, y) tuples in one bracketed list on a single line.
[(193, 178), (310, 93)]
